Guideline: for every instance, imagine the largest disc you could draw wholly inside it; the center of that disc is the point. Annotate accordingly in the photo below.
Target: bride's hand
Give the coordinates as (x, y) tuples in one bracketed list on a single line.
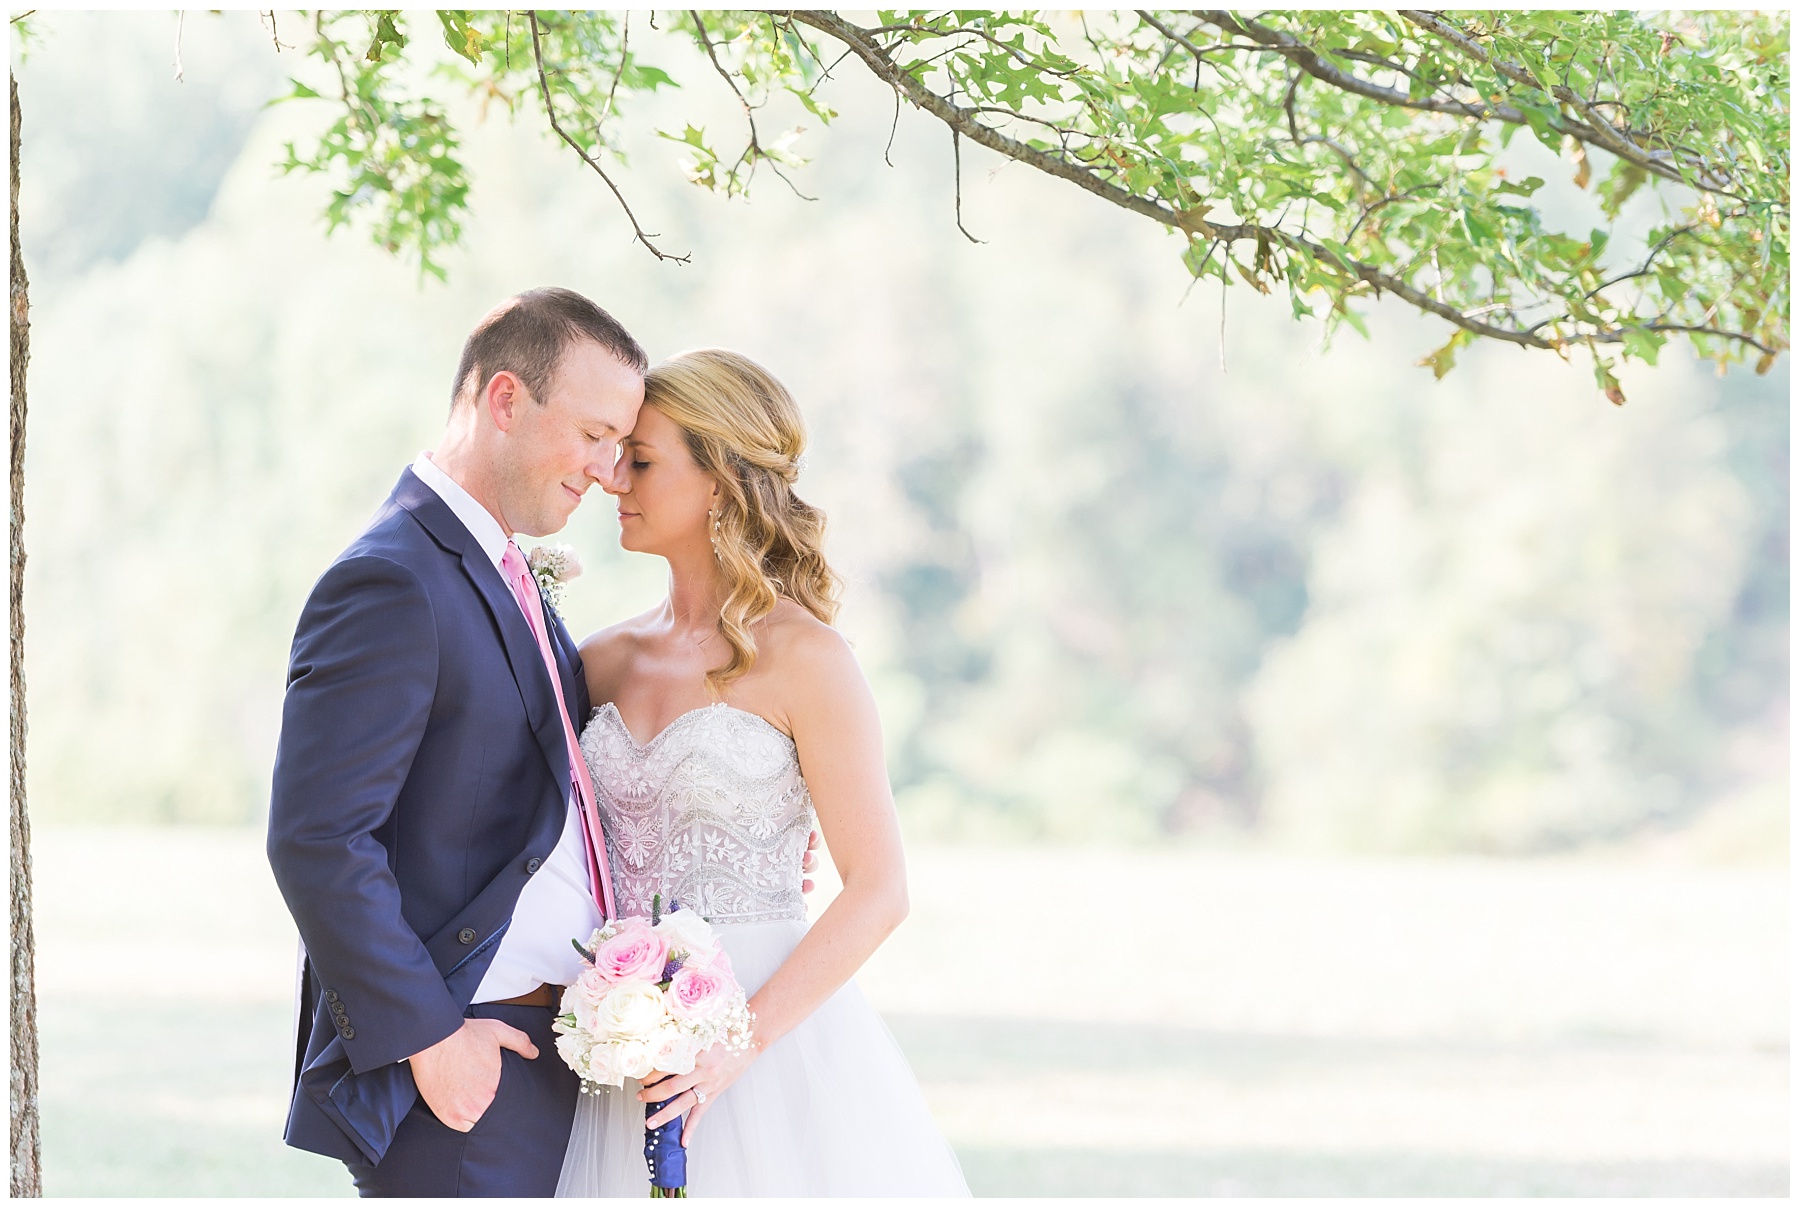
[(809, 859), (714, 1070)]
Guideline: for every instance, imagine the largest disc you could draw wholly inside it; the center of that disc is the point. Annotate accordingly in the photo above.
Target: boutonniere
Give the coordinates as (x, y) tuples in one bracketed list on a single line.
[(553, 566)]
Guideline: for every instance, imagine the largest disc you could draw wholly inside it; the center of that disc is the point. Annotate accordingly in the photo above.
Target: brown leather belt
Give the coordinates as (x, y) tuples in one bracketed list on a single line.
[(543, 996)]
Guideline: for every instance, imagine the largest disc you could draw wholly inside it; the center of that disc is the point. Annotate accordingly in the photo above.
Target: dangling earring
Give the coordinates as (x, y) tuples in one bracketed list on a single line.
[(714, 535)]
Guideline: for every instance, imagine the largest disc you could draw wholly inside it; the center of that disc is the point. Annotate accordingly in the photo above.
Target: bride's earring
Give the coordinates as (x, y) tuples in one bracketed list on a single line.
[(714, 535)]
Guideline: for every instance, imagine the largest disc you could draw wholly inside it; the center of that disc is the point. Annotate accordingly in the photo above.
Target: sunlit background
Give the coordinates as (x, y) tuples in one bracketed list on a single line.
[(1380, 784)]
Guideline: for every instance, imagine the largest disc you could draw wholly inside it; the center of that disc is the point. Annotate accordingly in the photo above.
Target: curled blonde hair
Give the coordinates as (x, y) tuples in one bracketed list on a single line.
[(744, 429)]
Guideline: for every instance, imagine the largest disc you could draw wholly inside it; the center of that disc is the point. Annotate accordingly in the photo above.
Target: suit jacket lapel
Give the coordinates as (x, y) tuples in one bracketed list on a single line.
[(527, 662), (529, 672)]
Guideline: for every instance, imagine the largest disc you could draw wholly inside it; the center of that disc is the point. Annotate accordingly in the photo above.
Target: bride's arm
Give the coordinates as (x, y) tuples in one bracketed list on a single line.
[(838, 733), (831, 713)]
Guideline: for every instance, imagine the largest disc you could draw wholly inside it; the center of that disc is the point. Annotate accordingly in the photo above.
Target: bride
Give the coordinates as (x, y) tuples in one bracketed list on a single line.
[(728, 715)]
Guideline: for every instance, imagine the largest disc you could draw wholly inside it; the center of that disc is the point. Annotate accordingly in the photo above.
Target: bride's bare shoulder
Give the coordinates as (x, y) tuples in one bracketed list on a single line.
[(607, 654), (807, 653)]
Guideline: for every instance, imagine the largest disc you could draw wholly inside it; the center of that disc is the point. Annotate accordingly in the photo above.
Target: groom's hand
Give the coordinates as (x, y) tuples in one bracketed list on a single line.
[(458, 1076)]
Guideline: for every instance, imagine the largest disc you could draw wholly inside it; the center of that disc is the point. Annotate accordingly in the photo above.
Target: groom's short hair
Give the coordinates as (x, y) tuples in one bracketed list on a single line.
[(527, 335)]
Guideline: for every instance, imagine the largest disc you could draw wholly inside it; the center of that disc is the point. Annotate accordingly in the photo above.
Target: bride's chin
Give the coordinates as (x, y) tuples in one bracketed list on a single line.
[(628, 542)]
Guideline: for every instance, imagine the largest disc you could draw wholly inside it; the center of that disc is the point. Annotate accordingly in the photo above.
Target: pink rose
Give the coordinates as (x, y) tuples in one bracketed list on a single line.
[(582, 1000), (635, 954), (699, 992)]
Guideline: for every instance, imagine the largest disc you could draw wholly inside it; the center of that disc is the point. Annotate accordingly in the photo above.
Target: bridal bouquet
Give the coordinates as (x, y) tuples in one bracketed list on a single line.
[(656, 993)]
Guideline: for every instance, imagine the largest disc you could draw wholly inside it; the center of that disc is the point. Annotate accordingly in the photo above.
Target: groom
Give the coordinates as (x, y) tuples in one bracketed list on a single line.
[(431, 824)]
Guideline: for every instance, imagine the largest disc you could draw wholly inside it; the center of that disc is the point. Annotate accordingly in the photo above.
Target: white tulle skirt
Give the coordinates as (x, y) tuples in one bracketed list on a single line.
[(832, 1108)]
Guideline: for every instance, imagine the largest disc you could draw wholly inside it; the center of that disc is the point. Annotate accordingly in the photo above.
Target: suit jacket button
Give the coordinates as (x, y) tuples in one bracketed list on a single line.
[(533, 864), (348, 1033), (466, 935), (331, 996)]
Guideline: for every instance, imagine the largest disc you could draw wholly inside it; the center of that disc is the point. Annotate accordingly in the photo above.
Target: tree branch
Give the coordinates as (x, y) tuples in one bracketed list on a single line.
[(1649, 260), (1596, 131), (1389, 199), (274, 30), (1618, 337), (537, 54), (956, 157), (966, 123), (26, 1162), (619, 74), (754, 151), (1308, 60)]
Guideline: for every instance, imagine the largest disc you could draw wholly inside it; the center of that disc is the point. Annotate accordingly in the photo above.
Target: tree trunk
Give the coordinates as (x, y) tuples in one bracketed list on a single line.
[(27, 1177)]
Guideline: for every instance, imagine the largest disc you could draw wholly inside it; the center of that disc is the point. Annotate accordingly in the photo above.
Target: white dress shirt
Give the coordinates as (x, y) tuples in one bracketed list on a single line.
[(557, 903)]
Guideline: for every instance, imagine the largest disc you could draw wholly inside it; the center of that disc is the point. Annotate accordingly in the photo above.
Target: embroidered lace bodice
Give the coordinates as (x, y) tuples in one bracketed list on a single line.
[(712, 813)]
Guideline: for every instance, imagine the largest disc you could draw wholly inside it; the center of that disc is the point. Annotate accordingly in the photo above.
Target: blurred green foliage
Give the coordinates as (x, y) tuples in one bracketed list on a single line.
[(1122, 565)]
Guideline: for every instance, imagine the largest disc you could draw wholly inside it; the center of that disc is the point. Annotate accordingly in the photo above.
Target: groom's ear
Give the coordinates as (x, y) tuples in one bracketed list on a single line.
[(502, 396)]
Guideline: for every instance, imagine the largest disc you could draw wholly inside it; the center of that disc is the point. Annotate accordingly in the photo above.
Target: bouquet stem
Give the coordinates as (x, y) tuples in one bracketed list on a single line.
[(664, 1155)]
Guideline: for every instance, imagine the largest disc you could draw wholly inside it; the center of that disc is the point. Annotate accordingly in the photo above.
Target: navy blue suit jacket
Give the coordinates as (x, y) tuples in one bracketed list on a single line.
[(422, 776)]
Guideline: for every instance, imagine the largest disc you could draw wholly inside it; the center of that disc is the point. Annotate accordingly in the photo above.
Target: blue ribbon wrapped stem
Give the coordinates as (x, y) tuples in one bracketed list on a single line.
[(664, 1154)]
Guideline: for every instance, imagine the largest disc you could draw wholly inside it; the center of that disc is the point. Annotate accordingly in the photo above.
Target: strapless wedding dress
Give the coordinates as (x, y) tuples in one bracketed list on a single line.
[(713, 814)]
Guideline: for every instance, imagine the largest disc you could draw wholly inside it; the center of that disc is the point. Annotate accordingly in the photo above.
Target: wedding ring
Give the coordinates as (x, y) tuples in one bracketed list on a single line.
[(699, 1097)]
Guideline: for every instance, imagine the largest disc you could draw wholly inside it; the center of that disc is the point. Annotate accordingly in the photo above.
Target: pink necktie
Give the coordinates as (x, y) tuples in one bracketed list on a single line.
[(524, 586)]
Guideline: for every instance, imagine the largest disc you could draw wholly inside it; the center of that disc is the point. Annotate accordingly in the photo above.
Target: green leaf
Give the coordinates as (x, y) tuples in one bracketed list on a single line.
[(1643, 343), (459, 35), (649, 78), (1443, 359), (300, 92), (1523, 188), (1608, 382), (387, 33)]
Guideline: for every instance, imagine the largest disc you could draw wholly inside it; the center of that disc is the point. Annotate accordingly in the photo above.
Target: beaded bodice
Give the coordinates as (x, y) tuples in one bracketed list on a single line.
[(712, 813)]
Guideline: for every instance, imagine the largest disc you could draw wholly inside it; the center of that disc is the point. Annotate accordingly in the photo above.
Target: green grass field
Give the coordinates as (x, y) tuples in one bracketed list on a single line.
[(1246, 1025)]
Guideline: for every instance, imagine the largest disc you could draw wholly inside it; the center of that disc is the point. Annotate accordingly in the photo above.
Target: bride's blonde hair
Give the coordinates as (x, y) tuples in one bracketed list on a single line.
[(744, 429)]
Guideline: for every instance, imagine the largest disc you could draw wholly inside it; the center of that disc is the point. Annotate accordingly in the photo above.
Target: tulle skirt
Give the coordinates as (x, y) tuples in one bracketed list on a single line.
[(832, 1108)]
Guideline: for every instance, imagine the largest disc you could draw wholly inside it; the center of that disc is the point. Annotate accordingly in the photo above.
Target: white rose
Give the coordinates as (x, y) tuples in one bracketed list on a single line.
[(573, 1050), (630, 1012), (633, 1057), (583, 1003), (603, 1066), (672, 1051), (686, 931)]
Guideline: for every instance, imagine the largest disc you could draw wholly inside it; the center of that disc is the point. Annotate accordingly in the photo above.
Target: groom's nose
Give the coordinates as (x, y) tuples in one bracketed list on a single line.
[(607, 469)]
